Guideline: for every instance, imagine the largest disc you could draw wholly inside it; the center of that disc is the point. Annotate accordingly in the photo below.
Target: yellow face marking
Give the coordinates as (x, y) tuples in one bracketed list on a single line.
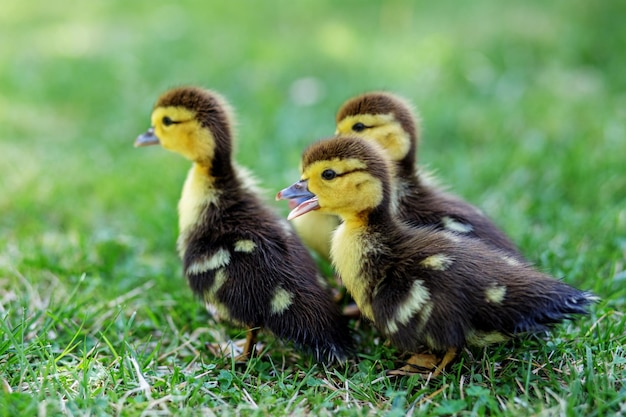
[(219, 259), (438, 262), (495, 294), (185, 136), (351, 193), (281, 301), (455, 226), (381, 128), (245, 245)]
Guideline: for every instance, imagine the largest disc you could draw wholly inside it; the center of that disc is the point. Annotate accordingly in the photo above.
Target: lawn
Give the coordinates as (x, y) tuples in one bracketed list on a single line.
[(523, 107)]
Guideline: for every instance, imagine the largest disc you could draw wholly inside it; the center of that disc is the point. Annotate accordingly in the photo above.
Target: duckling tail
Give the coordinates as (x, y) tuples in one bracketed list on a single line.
[(558, 305)]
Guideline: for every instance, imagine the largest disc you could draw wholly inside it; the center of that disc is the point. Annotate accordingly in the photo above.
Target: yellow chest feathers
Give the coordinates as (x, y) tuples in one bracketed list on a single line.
[(198, 192), (348, 249)]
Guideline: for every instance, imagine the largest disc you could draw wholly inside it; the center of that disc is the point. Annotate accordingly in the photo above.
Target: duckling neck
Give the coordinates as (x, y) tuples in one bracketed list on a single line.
[(221, 166), (380, 216), (352, 245), (201, 189), (405, 168)]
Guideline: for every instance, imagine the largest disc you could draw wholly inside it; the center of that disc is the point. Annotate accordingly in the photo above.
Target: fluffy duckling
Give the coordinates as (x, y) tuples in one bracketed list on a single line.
[(421, 286), (238, 255), (388, 120)]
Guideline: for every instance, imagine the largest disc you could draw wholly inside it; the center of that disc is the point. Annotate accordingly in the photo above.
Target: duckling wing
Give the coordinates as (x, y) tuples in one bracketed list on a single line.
[(446, 291), (423, 204), (413, 312)]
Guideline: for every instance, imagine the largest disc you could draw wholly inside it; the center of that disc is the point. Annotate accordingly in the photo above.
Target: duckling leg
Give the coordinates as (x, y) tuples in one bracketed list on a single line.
[(419, 363), (445, 361), (425, 363), (248, 348), (245, 346)]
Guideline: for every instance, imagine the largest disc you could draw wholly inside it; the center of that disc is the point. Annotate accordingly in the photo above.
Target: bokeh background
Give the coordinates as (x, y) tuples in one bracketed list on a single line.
[(522, 103), (523, 108)]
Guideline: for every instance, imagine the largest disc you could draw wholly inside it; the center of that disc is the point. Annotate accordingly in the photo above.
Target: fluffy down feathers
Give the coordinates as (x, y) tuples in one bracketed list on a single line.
[(422, 285), (237, 254)]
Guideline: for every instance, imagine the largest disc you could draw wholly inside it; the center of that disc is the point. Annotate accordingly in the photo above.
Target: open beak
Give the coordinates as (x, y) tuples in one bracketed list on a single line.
[(299, 192), (147, 138)]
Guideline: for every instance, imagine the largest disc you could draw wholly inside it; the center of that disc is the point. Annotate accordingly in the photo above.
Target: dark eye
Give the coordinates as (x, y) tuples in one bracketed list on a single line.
[(329, 174), (167, 121), (359, 127)]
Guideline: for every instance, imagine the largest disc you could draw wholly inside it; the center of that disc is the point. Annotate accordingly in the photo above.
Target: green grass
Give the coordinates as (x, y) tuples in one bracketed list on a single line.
[(523, 108)]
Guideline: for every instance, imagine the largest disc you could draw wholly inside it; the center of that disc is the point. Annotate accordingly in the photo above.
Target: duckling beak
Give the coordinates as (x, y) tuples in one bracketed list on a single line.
[(299, 192), (304, 207), (147, 138)]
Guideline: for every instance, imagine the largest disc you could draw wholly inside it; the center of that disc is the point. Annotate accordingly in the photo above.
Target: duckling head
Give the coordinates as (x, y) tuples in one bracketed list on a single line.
[(193, 122), (386, 119), (346, 176)]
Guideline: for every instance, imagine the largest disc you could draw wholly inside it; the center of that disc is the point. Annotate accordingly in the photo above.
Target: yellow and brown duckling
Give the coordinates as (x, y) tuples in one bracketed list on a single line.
[(238, 255), (388, 120), (421, 286)]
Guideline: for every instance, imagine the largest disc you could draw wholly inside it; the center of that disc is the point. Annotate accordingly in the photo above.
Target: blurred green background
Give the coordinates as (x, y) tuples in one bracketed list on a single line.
[(523, 106)]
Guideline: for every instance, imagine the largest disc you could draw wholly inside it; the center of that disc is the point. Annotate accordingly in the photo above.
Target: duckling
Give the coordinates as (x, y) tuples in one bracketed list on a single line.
[(388, 120), (237, 254), (421, 286)]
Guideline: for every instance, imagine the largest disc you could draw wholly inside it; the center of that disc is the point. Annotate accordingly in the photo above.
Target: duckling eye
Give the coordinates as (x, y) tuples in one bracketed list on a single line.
[(329, 174), (167, 121), (359, 127)]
